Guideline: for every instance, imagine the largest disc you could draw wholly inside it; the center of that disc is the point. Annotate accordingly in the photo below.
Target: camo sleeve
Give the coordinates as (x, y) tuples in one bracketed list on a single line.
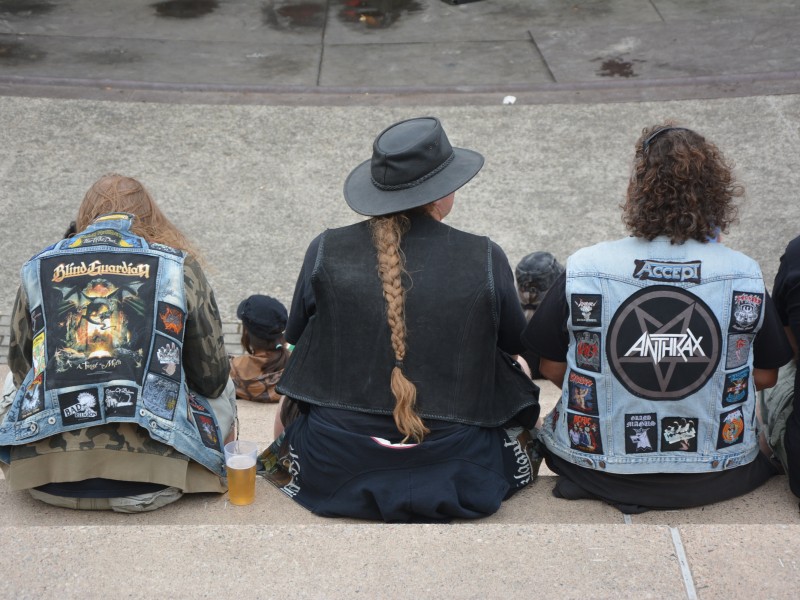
[(204, 358), (20, 343)]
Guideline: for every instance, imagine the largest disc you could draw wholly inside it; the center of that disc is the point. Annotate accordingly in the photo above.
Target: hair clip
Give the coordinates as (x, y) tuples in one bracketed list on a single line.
[(658, 132)]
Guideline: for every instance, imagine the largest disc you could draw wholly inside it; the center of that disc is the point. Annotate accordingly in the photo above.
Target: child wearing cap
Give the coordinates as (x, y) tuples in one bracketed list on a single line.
[(256, 373)]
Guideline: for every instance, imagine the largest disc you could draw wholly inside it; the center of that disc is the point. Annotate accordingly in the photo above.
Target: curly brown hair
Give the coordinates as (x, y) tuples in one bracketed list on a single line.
[(681, 187)]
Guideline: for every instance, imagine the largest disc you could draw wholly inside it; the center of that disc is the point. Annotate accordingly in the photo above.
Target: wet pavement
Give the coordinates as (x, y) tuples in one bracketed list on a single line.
[(578, 50)]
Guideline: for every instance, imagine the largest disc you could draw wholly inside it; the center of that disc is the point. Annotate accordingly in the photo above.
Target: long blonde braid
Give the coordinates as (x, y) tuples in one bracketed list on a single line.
[(387, 231)]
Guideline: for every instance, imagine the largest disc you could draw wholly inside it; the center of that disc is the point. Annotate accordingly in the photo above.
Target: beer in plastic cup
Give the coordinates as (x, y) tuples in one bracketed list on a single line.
[(240, 463)]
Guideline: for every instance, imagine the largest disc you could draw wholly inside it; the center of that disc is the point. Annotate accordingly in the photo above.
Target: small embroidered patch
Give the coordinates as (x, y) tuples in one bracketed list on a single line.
[(582, 393), (33, 398), (731, 428), (736, 387), (679, 434), (739, 346), (584, 434), (586, 310), (120, 400), (641, 433), (160, 395), (170, 320), (208, 431), (587, 350), (79, 407), (166, 358), (745, 311)]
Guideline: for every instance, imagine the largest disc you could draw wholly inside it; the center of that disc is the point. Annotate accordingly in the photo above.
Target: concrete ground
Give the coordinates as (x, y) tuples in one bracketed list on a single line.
[(244, 119)]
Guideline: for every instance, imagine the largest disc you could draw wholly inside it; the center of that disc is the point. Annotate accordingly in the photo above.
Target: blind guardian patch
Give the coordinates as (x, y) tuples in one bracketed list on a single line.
[(663, 343)]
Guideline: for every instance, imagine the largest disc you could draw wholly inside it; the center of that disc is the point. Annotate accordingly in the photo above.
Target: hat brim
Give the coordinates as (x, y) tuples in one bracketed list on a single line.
[(366, 199)]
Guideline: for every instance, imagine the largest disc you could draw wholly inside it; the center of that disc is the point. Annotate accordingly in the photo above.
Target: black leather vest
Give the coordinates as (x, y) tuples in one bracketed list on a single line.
[(344, 357)]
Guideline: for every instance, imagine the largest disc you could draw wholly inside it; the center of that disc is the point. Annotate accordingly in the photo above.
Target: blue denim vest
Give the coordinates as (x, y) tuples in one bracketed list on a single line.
[(107, 313), (660, 361)]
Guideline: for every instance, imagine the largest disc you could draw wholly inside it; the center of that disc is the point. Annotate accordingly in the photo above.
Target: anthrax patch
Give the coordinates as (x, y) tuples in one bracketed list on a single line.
[(587, 350), (586, 310), (79, 407), (33, 398), (37, 320), (170, 320), (663, 343), (584, 433), (678, 434), (666, 271), (166, 358), (207, 430), (731, 428), (120, 400), (160, 395), (736, 387), (582, 393), (745, 311), (739, 346), (641, 433)]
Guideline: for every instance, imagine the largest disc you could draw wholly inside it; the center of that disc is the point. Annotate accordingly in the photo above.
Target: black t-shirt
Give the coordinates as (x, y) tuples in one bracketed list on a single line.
[(786, 293), (547, 336)]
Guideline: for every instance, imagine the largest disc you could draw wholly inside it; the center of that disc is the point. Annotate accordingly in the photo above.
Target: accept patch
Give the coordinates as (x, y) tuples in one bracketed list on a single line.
[(666, 271)]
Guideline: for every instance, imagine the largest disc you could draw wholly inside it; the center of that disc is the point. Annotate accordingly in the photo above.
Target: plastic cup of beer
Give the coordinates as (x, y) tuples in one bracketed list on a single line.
[(240, 463)]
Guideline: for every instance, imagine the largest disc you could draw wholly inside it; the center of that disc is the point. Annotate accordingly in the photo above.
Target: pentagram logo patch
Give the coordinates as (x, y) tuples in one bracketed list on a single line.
[(663, 343)]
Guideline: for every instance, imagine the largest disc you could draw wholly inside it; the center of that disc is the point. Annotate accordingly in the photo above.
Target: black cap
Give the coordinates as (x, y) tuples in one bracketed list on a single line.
[(263, 316)]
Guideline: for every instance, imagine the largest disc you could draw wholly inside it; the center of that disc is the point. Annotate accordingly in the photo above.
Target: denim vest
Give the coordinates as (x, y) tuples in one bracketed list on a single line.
[(660, 360), (344, 358), (107, 312)]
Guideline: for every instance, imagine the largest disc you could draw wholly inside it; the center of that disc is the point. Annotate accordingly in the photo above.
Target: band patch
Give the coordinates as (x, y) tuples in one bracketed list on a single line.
[(166, 358), (160, 395), (170, 320), (678, 434), (120, 400), (736, 387), (165, 249), (32, 398), (105, 237), (739, 346), (666, 271), (641, 433), (586, 310), (582, 393), (195, 405), (584, 434), (663, 343), (555, 417), (745, 311), (37, 320), (38, 355), (587, 350), (79, 407), (731, 428), (207, 430)]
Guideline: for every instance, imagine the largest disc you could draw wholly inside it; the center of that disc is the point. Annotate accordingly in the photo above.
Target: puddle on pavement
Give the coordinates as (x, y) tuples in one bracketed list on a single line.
[(185, 9), (23, 8), (289, 15), (376, 14), (17, 53), (616, 67)]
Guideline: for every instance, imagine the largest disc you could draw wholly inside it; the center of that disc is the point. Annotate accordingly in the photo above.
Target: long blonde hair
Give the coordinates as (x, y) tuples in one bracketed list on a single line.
[(387, 231), (117, 193)]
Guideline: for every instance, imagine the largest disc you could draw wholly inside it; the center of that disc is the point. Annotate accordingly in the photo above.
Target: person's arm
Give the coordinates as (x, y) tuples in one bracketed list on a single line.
[(553, 371), (771, 348), (205, 360), (20, 345), (511, 319), (304, 303)]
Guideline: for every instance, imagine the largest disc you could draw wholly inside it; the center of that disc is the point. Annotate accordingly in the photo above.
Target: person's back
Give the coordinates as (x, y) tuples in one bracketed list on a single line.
[(109, 329), (410, 405), (659, 342)]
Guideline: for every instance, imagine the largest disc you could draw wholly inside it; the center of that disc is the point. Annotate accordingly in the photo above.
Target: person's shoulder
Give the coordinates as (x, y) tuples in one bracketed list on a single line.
[(792, 251)]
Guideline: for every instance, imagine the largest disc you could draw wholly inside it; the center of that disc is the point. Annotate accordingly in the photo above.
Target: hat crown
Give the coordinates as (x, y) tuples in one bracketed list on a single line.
[(408, 153)]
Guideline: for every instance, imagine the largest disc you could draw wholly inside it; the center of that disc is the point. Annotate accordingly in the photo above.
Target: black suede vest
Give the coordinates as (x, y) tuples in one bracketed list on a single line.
[(344, 357)]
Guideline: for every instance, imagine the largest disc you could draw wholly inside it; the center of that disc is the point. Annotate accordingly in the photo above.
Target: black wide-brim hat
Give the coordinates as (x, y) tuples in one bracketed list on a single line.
[(412, 164)]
